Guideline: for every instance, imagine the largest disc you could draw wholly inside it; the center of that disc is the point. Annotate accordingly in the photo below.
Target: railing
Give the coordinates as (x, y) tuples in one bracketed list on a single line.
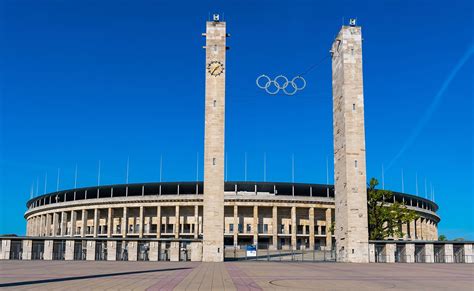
[(240, 253)]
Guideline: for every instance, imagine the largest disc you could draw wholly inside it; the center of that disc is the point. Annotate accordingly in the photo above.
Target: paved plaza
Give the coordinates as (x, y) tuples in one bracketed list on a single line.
[(74, 275)]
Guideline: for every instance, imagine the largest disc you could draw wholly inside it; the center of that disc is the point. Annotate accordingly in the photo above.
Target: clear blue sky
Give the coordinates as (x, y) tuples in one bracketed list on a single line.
[(83, 81)]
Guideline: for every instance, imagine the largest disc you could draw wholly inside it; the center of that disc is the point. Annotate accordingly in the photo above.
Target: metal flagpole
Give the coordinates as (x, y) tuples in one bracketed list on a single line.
[(327, 176), (264, 167), (416, 183), (292, 168), (245, 170), (128, 169), (403, 183), (31, 190), (37, 184), (57, 181), (75, 178), (161, 168), (383, 179), (45, 182), (98, 175), (431, 191), (197, 166), (426, 190)]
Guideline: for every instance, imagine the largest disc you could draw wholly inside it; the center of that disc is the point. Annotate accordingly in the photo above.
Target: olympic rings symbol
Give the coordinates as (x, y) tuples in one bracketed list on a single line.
[(273, 87)]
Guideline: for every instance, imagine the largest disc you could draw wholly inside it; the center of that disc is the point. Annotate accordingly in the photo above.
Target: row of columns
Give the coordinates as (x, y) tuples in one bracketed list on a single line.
[(41, 225)]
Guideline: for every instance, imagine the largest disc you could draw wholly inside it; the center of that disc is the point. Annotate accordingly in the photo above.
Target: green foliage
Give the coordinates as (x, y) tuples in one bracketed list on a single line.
[(442, 238), (386, 218)]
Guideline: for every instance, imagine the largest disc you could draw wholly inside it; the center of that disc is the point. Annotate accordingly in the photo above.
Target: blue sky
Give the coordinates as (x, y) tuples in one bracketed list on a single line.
[(83, 81)]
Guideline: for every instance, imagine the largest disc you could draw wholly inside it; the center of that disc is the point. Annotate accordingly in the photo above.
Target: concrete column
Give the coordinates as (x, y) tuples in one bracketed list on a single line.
[(111, 249), (255, 225), (236, 225), (412, 230), (176, 223), (154, 251), (448, 253), (84, 221), (429, 253), (5, 250), (196, 221), (63, 223), (48, 250), (174, 251), (27, 248), (42, 230), (410, 253), (311, 228), (158, 226), (132, 250), (109, 223), (468, 254), (124, 223), (96, 222), (371, 253), (275, 227), (196, 251), (293, 227), (404, 231), (328, 229), (140, 231), (48, 224), (69, 252), (55, 224), (90, 249), (73, 222), (390, 252)]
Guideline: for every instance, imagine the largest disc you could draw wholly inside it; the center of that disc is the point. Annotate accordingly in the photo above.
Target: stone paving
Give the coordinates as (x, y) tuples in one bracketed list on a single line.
[(84, 275)]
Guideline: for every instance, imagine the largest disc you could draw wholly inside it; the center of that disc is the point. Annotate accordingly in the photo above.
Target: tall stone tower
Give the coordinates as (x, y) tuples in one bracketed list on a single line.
[(351, 227), (213, 232)]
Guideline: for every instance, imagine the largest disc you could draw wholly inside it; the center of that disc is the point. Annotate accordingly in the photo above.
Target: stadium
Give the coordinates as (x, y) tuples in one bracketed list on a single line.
[(215, 219)]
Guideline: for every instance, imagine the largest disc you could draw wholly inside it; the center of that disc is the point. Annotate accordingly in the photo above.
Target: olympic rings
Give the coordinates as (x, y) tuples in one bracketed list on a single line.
[(281, 82)]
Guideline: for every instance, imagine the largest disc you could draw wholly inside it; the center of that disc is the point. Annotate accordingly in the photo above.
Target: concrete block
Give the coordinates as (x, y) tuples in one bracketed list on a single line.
[(448, 253), (468, 254), (410, 253), (69, 252), (174, 251), (371, 253), (111, 250), (154, 251), (390, 252), (132, 250), (5, 252), (48, 250), (196, 251), (429, 253), (90, 250), (27, 248)]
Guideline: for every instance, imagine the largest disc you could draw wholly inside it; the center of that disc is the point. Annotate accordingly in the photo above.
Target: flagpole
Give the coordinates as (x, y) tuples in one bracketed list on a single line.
[(57, 181)]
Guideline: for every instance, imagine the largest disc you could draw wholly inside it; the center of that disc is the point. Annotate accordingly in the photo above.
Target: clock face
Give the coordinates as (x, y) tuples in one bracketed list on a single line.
[(215, 68)]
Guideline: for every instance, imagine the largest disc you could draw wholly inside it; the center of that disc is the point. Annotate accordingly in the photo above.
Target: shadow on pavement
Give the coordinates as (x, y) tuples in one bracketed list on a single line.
[(53, 280)]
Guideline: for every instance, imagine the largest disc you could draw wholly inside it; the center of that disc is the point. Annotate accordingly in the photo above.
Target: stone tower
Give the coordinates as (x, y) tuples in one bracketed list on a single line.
[(213, 232), (351, 229)]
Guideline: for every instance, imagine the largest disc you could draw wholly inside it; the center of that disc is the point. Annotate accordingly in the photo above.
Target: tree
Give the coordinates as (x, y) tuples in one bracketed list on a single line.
[(442, 238), (386, 218)]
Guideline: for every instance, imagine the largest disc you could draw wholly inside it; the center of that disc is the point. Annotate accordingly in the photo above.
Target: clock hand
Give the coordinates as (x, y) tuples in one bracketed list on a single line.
[(214, 70)]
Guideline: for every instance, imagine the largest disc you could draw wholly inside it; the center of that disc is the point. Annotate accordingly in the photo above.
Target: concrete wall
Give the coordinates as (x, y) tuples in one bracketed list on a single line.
[(111, 250), (27, 248), (69, 252), (48, 250)]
